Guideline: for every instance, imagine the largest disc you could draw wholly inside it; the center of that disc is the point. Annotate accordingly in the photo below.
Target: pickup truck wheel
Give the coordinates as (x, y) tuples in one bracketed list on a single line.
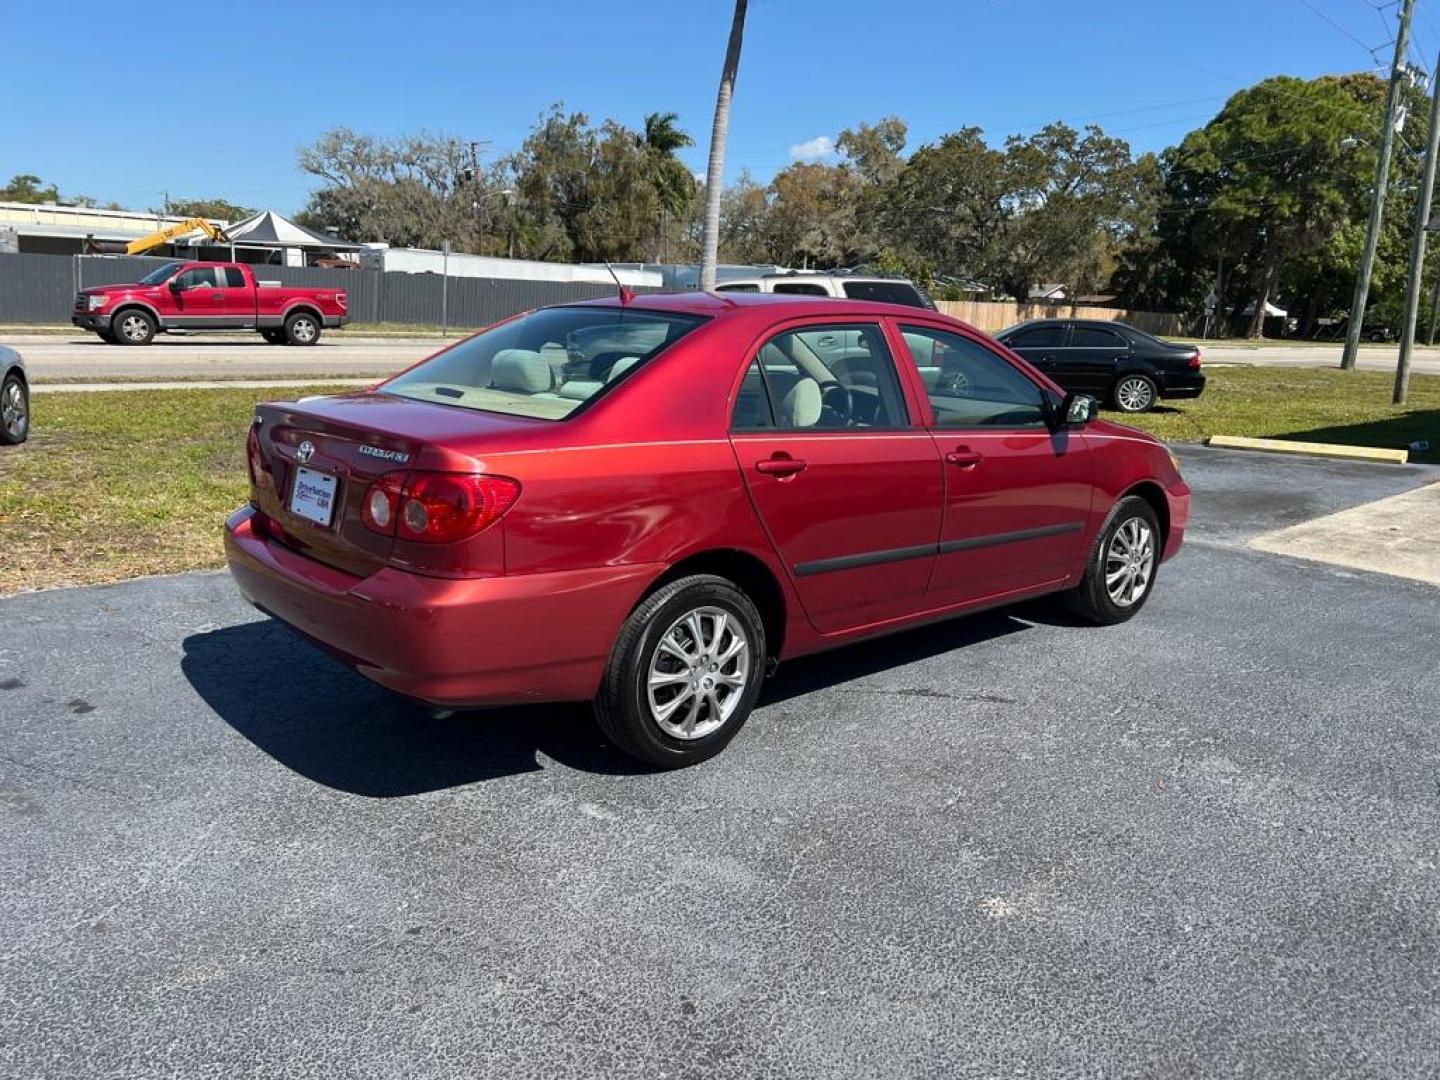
[(134, 326), (684, 673), (302, 328)]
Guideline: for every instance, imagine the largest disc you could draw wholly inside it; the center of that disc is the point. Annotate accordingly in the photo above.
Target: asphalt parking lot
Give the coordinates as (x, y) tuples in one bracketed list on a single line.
[(1201, 843)]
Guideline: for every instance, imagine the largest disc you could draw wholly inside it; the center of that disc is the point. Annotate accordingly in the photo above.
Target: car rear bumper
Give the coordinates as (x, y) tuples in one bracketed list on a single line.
[(468, 642), (91, 322), (335, 320), (1177, 498), (1188, 385)]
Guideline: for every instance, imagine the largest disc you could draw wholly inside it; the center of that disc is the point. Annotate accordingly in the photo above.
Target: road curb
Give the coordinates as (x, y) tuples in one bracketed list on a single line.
[(1309, 449), (198, 384)]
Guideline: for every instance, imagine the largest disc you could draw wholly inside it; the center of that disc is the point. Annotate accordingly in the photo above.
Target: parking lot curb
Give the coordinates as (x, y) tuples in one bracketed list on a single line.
[(1309, 449)]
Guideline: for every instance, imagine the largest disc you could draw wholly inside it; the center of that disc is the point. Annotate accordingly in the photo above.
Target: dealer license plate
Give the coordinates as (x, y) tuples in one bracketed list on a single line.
[(313, 496)]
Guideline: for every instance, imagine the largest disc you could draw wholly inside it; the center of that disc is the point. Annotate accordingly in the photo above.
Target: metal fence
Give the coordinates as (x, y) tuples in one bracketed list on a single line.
[(41, 289)]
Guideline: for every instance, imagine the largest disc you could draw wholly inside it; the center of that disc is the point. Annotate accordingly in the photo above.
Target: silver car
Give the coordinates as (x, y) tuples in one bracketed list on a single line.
[(14, 398)]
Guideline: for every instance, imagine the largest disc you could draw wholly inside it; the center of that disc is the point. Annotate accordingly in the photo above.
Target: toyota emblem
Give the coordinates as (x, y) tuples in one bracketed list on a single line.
[(305, 451)]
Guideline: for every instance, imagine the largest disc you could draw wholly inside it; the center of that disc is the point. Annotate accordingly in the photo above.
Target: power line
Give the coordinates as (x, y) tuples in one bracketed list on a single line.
[(1341, 29)]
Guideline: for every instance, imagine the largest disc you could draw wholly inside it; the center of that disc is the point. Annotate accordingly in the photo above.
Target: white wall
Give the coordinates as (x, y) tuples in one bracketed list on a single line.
[(420, 261)]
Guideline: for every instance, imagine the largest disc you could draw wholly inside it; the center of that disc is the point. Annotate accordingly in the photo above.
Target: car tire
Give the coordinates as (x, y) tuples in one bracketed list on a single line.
[(1130, 538), (302, 328), (14, 410), (274, 337), (1377, 336), (134, 326), (107, 337), (1134, 393), (683, 719)]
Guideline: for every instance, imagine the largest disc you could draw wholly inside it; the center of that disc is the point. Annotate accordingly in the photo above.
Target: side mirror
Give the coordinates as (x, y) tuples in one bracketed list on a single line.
[(1077, 410), (174, 284)]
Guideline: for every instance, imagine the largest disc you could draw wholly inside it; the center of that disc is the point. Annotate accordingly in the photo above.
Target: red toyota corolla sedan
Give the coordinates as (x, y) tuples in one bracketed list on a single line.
[(648, 502)]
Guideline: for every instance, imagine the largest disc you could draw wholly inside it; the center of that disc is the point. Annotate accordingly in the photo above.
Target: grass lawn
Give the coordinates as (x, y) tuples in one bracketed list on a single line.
[(1307, 404), (117, 484)]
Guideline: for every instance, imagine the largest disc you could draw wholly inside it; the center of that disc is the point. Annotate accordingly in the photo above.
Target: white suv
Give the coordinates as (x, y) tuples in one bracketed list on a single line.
[(848, 286)]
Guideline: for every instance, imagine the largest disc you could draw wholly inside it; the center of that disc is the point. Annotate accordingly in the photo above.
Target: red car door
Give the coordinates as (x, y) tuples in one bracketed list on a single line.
[(1017, 493), (847, 486), (199, 299)]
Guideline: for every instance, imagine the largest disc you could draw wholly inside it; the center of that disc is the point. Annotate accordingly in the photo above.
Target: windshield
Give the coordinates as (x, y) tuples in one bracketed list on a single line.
[(546, 364), (160, 273)]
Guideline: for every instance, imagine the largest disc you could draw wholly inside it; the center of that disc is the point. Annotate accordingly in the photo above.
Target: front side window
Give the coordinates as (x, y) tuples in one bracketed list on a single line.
[(546, 364), (198, 277), (822, 378), (1037, 337), (968, 385)]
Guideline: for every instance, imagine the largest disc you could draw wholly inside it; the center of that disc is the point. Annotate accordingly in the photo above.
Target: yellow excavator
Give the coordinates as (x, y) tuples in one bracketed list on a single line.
[(164, 236), (157, 238)]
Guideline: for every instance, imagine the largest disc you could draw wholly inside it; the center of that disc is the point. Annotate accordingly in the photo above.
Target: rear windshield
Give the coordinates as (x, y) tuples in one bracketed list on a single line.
[(546, 364), (885, 292)]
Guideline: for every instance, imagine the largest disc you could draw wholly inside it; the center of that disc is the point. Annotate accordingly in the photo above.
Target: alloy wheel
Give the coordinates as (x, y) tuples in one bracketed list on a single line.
[(134, 327), (303, 329), (13, 414), (1129, 562), (698, 673), (1135, 394)]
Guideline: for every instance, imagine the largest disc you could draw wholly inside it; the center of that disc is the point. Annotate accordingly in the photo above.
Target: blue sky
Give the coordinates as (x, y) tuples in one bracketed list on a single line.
[(214, 99)]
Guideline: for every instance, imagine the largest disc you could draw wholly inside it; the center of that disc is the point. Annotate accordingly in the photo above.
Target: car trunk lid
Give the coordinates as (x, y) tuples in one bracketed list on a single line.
[(329, 450)]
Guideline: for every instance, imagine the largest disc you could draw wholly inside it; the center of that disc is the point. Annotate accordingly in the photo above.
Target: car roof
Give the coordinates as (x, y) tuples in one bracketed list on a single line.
[(778, 305)]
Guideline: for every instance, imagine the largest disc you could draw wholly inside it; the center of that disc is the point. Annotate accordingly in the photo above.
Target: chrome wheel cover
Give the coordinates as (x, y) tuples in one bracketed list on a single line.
[(13, 414), (1134, 395), (1130, 562), (134, 327), (698, 673), (303, 329)]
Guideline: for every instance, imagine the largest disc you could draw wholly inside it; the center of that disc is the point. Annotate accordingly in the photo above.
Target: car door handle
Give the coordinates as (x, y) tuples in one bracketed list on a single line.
[(964, 457), (780, 466)]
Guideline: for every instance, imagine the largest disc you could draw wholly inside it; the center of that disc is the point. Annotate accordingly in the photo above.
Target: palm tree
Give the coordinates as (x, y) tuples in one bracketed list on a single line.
[(715, 173), (672, 181)]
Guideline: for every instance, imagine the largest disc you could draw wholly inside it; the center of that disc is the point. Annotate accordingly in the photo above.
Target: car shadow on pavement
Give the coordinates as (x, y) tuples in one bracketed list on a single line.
[(811, 673), (317, 717)]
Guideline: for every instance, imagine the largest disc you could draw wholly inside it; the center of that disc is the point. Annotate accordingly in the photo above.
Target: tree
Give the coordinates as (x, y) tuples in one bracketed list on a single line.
[(25, 188), (222, 209), (715, 171), (674, 186), (1268, 194)]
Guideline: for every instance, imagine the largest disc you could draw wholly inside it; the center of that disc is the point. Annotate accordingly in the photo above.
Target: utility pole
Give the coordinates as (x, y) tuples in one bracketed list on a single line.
[(1377, 200), (1417, 245)]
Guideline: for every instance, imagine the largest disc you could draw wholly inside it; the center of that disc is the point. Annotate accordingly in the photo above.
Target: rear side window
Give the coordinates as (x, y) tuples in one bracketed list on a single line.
[(799, 288), (885, 292), (968, 385), (822, 378), (234, 277), (744, 287), (1037, 337), (546, 364), (1093, 337)]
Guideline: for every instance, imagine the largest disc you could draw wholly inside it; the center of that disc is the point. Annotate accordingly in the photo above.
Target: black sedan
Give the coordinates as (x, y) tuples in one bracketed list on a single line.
[(1108, 360)]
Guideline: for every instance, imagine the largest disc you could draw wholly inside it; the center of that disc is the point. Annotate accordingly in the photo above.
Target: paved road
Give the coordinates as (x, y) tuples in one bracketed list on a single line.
[(216, 356), (1202, 843), (245, 355)]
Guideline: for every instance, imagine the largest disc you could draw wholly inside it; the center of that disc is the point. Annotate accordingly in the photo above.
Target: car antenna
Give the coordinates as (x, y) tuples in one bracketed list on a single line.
[(625, 294)]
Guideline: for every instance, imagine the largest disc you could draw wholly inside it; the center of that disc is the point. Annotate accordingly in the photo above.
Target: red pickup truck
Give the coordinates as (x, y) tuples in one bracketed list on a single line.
[(208, 296)]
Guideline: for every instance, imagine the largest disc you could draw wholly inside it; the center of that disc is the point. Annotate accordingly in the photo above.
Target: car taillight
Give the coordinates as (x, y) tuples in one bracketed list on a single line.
[(343, 300), (259, 473), (436, 508), (1195, 360)]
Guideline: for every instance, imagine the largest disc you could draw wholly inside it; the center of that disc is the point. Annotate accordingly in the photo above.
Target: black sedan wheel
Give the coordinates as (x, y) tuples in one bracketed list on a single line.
[(1134, 394)]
